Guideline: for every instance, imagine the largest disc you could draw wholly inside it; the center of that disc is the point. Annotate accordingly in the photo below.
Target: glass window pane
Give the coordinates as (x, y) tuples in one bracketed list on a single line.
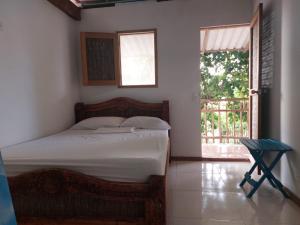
[(138, 59)]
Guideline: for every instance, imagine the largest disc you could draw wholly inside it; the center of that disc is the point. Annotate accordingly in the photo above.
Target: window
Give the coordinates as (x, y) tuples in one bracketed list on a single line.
[(99, 58), (138, 58)]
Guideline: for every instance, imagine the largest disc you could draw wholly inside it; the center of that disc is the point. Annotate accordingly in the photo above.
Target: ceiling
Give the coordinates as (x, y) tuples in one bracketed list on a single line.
[(226, 38), (86, 4)]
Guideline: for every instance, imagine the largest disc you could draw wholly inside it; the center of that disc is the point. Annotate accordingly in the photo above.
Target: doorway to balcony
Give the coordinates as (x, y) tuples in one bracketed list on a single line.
[(224, 91)]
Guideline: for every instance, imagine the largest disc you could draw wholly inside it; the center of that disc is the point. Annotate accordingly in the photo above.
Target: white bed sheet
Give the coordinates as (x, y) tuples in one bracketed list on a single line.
[(130, 157)]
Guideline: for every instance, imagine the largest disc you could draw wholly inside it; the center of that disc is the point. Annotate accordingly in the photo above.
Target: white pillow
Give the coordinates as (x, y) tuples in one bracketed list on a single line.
[(146, 122), (96, 122)]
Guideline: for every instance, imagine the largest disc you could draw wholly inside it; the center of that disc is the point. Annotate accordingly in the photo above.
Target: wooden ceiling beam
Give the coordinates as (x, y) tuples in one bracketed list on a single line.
[(68, 7), (89, 4)]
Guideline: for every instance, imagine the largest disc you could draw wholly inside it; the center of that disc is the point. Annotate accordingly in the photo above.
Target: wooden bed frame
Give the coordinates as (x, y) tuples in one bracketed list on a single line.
[(58, 196)]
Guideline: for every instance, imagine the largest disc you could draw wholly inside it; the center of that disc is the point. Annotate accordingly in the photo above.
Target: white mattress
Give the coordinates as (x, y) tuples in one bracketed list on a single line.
[(130, 157)]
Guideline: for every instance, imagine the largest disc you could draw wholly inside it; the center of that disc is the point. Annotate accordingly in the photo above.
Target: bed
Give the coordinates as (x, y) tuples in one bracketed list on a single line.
[(97, 187)]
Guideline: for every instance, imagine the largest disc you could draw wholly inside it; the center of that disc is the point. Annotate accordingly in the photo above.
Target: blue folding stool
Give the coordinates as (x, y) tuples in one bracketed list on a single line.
[(258, 148), (7, 214)]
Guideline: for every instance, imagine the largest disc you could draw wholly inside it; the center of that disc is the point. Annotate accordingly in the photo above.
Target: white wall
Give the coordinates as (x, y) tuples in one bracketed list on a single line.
[(178, 23), (285, 96), (290, 95), (38, 70)]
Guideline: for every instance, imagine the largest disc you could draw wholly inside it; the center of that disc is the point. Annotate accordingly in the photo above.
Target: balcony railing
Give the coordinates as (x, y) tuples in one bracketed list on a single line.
[(224, 120)]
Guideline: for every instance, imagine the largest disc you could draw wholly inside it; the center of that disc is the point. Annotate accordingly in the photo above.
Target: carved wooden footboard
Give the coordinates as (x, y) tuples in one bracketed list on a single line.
[(58, 196), (69, 197)]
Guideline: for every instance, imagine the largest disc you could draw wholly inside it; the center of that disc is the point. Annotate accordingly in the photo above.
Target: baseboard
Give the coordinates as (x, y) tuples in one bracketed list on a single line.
[(292, 196), (225, 159), (188, 158), (185, 158)]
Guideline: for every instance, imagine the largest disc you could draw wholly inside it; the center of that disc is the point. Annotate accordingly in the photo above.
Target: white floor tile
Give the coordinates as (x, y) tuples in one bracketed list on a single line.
[(208, 193)]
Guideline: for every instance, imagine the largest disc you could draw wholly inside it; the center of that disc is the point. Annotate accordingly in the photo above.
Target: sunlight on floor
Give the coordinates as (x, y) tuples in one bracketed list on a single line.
[(228, 151)]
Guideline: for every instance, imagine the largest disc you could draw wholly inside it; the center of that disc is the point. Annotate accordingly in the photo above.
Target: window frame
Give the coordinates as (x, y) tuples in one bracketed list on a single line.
[(134, 32), (84, 58)]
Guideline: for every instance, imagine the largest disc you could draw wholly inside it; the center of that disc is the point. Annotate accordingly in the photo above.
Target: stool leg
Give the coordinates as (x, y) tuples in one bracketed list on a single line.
[(266, 170), (255, 187), (271, 177), (268, 174), (248, 174)]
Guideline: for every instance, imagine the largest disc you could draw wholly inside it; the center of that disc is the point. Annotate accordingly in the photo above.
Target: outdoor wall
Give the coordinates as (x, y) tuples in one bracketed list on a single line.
[(178, 23), (38, 70), (284, 108)]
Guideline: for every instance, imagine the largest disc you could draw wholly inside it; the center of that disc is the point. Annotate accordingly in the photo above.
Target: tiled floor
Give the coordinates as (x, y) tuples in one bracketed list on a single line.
[(230, 151), (208, 193)]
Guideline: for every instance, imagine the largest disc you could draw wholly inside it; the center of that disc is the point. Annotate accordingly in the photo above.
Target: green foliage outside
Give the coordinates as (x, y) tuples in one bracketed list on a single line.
[(224, 75)]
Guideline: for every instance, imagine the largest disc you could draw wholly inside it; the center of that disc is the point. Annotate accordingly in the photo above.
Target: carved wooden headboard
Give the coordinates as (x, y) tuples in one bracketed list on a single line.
[(124, 107)]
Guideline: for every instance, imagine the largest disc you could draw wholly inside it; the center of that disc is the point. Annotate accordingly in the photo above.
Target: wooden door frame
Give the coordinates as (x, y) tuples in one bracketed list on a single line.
[(257, 16), (218, 159)]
